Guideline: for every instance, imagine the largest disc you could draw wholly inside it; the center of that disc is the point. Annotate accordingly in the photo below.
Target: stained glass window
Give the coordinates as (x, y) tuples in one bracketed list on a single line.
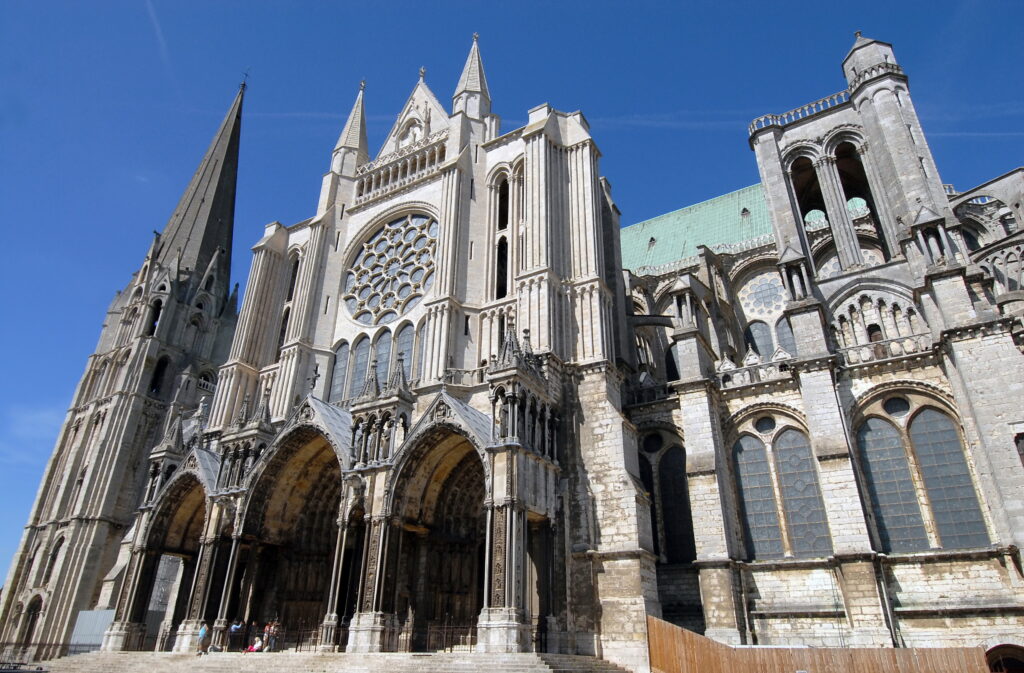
[(759, 514), (890, 487), (763, 295), (382, 353), (338, 374), (947, 481), (361, 360), (759, 337), (801, 495), (404, 346), (784, 336), (393, 270)]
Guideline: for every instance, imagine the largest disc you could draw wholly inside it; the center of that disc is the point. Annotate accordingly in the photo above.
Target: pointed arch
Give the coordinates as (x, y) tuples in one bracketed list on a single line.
[(360, 365), (339, 373), (802, 504), (382, 354), (890, 486), (758, 513), (947, 480), (403, 347)]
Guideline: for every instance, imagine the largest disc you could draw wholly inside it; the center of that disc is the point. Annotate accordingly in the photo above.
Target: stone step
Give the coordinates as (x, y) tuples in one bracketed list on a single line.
[(303, 662)]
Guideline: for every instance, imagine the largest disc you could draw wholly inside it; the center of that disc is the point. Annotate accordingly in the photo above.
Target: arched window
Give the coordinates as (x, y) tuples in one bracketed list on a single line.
[(671, 371), (759, 337), (382, 353), (801, 496), (361, 361), (503, 204), (675, 507), (890, 487), (154, 317), (35, 607), (338, 373), (759, 514), (947, 480), (404, 343), (51, 561), (284, 332), (156, 384), (501, 270), (784, 336), (293, 276), (918, 473), (854, 183)]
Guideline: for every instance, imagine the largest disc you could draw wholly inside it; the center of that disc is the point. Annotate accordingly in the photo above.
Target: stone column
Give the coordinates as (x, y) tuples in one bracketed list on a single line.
[(371, 626), (188, 630), (843, 234), (220, 625), (500, 627), (330, 625)]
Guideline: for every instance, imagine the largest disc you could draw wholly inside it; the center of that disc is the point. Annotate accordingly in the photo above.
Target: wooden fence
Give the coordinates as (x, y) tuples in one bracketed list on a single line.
[(676, 650)]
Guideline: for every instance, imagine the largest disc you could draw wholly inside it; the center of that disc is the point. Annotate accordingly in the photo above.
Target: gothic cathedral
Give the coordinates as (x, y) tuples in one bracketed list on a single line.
[(460, 404)]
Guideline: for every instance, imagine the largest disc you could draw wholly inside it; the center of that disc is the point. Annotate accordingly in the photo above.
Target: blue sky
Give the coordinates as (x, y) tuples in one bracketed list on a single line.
[(106, 108)]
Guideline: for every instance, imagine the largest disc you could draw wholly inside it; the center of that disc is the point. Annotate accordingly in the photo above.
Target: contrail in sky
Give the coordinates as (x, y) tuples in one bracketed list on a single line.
[(165, 55)]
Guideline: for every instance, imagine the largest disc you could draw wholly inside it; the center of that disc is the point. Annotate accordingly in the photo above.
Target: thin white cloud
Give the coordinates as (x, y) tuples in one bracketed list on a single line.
[(165, 54)]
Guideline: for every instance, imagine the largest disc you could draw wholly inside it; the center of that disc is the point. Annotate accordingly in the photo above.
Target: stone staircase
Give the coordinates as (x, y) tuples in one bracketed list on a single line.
[(296, 662)]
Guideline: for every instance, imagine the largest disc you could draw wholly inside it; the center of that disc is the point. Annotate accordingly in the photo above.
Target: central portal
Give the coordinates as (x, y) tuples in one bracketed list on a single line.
[(441, 548)]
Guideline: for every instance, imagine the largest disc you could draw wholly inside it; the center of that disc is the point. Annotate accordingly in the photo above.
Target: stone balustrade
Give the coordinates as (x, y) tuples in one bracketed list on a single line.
[(802, 112), (889, 349)]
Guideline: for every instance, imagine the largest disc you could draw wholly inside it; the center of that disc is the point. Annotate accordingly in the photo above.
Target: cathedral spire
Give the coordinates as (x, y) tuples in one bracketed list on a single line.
[(203, 221), (471, 94), (353, 136)]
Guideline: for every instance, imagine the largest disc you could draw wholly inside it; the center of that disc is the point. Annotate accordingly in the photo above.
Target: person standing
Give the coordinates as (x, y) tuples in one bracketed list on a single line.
[(203, 631), (274, 629)]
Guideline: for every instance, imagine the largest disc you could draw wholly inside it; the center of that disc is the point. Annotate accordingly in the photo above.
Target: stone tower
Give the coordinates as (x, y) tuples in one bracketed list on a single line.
[(163, 338)]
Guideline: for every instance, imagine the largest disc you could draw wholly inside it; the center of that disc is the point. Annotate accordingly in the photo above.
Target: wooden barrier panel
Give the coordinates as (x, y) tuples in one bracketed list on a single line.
[(676, 650)]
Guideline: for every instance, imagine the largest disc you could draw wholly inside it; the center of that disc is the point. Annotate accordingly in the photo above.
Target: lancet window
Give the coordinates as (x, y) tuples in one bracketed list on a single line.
[(339, 372), (781, 509), (663, 472), (917, 479)]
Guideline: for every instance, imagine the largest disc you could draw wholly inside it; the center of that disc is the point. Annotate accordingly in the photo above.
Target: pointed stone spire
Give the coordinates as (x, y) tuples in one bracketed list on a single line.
[(371, 385), (203, 221), (243, 412), (353, 136), (472, 95)]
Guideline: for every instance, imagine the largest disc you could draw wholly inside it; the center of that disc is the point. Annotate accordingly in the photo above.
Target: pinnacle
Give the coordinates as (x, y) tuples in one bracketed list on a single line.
[(473, 79), (353, 136)]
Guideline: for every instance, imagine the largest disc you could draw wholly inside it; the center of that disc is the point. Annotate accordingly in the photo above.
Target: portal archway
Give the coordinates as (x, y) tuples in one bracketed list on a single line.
[(285, 559), (440, 550), (169, 566)]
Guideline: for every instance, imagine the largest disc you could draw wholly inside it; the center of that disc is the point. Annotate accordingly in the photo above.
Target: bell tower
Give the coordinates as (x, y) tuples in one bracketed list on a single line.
[(162, 340)]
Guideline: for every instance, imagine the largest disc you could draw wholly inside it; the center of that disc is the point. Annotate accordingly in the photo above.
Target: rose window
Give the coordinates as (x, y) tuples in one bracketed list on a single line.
[(762, 295), (392, 271)]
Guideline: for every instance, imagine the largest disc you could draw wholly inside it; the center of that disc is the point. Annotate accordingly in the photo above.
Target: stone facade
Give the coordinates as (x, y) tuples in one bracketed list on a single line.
[(446, 416)]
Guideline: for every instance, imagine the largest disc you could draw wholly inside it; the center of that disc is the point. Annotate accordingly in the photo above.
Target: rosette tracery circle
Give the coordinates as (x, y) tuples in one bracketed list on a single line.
[(392, 271)]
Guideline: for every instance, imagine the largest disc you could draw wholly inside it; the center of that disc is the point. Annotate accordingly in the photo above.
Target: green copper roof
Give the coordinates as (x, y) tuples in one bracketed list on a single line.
[(676, 235)]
